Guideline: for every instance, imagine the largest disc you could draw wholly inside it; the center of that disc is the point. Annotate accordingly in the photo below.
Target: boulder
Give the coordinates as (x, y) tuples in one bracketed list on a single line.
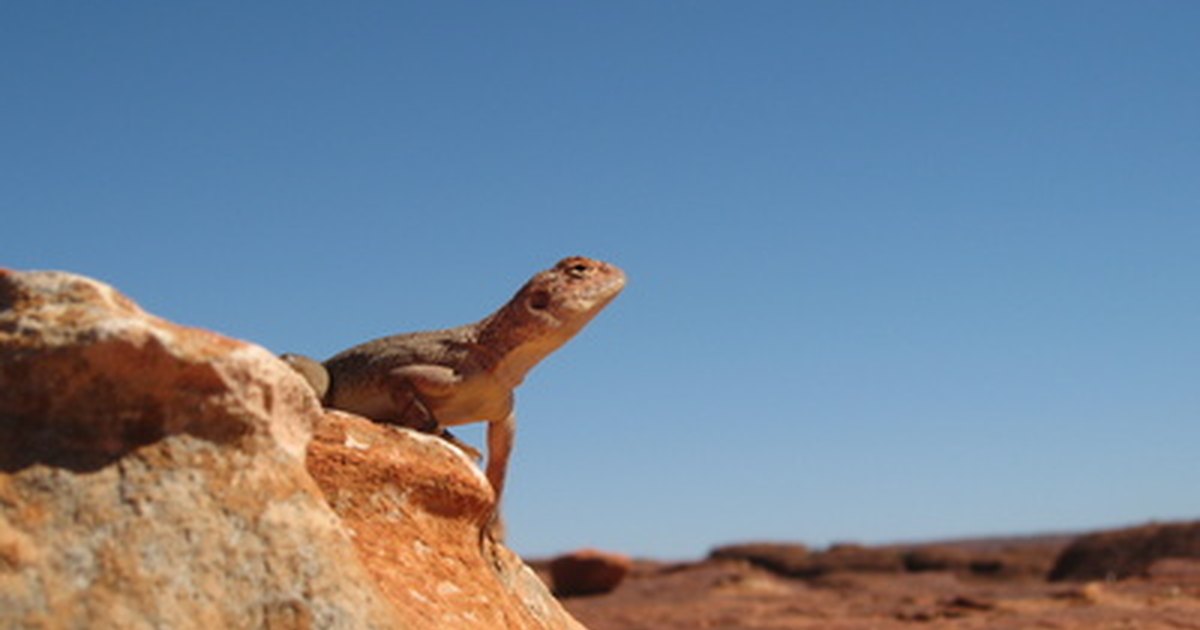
[(1126, 552), (588, 572), (154, 475)]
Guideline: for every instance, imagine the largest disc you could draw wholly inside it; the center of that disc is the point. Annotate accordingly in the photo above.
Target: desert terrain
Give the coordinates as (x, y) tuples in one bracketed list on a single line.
[(1144, 577)]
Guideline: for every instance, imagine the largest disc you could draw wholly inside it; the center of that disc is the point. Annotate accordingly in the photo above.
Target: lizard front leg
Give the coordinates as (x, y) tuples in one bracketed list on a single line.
[(501, 435)]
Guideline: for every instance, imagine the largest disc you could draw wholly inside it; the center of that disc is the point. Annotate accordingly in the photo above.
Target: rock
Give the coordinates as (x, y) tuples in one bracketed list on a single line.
[(936, 558), (588, 572), (153, 475), (1127, 552), (1014, 560), (414, 505), (1001, 559), (791, 560), (855, 557), (787, 559)]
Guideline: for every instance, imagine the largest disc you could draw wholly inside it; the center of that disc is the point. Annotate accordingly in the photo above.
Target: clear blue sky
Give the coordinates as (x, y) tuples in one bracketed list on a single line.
[(898, 270)]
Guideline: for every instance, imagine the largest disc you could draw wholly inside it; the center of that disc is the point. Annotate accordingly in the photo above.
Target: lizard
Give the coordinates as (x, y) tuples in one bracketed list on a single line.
[(436, 379)]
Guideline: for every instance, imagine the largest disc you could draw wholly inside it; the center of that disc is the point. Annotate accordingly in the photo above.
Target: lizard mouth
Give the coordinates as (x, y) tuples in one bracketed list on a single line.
[(600, 292)]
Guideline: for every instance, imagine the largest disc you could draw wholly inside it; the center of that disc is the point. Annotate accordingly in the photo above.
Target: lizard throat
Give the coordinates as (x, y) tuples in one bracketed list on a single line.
[(516, 339)]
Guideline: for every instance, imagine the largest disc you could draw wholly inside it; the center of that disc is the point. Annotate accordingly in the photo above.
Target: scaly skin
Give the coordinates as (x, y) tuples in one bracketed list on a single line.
[(444, 378)]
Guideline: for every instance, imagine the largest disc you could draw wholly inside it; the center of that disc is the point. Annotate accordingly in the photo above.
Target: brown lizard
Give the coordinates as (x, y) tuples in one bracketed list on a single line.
[(443, 378)]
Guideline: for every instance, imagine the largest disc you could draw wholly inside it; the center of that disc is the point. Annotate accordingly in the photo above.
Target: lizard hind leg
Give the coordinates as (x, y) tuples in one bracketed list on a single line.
[(410, 411), (409, 384), (415, 414)]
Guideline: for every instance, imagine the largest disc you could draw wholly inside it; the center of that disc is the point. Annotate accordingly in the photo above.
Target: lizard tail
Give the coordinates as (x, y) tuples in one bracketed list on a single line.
[(312, 371)]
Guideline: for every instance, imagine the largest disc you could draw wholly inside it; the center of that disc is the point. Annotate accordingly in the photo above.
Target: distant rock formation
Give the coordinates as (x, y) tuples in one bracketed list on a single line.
[(154, 475), (794, 560), (998, 558), (786, 559), (588, 572), (1127, 552)]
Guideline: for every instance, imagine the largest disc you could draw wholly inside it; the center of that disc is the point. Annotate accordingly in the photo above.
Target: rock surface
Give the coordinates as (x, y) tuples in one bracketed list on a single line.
[(588, 572), (153, 475), (414, 505)]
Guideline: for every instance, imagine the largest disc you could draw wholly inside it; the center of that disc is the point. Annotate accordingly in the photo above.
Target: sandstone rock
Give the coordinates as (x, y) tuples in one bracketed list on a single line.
[(1126, 552), (588, 572), (153, 475), (414, 505)]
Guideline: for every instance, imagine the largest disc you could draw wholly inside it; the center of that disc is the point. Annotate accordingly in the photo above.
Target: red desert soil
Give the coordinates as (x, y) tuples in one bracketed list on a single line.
[(947, 592)]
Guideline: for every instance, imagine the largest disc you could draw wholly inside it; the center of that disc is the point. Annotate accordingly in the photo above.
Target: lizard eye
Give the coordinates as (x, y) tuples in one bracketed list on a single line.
[(578, 270), (539, 300)]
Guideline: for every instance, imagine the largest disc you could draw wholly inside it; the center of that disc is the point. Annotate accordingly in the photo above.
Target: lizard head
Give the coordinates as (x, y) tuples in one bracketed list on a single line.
[(545, 313), (572, 292)]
